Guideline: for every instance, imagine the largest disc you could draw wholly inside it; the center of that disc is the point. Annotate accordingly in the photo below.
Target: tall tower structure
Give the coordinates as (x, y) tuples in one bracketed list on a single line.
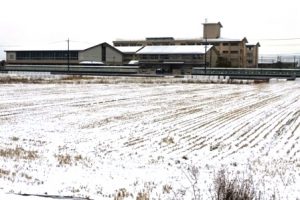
[(212, 30)]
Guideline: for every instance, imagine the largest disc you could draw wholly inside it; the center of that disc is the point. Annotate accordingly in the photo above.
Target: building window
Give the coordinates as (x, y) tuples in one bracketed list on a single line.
[(11, 57), (234, 44), (46, 55), (164, 57), (225, 52), (196, 56), (234, 52)]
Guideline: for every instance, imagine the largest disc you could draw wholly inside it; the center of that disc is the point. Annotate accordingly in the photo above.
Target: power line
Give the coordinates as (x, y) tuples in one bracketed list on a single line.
[(276, 39), (286, 44)]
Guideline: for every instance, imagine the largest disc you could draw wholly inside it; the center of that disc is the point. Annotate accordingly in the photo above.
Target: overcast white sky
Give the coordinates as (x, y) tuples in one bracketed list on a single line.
[(24, 23)]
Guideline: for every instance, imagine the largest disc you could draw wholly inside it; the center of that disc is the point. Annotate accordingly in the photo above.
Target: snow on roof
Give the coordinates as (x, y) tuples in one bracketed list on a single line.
[(76, 46), (133, 62), (224, 40), (174, 49), (129, 49), (190, 39), (91, 62)]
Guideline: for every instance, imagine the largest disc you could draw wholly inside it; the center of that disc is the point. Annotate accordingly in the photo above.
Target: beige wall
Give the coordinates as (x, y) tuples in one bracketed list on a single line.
[(233, 51), (211, 31), (252, 55)]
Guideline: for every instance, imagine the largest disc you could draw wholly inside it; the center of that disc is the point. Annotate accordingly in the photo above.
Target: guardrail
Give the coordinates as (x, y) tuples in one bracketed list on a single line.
[(247, 72)]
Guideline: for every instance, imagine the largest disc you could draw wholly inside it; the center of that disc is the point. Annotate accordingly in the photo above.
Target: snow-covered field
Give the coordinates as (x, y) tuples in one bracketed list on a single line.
[(97, 140)]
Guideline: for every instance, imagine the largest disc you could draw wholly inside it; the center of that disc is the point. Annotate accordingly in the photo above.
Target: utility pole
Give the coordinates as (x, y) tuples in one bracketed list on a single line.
[(205, 47), (205, 50), (68, 55)]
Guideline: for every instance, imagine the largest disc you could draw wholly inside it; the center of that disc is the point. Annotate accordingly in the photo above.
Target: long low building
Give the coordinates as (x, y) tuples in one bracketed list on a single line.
[(102, 53), (176, 59)]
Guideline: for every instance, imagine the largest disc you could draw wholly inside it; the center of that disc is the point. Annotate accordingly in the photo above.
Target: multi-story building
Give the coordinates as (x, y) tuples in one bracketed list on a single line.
[(252, 55), (232, 52)]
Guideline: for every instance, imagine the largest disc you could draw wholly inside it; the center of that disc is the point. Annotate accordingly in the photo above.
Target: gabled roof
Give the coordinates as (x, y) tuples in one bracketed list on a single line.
[(129, 49), (225, 40), (59, 48), (41, 48), (249, 45), (175, 49), (103, 44), (219, 23)]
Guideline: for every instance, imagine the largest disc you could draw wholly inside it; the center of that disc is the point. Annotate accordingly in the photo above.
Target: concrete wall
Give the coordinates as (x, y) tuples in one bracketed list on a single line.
[(234, 51), (10, 56), (91, 54), (212, 57), (212, 30), (252, 55), (113, 57)]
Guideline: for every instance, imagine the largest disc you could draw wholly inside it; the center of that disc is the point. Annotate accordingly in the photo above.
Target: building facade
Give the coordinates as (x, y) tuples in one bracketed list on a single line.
[(232, 52), (41, 57), (102, 53), (252, 55), (171, 55), (176, 59)]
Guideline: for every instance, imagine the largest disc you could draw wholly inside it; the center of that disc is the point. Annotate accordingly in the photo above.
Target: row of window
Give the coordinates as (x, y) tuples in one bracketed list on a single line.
[(170, 57), (231, 52), (46, 55)]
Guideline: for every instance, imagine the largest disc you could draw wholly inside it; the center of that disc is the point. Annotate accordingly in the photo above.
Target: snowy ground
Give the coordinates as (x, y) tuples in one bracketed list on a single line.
[(95, 140)]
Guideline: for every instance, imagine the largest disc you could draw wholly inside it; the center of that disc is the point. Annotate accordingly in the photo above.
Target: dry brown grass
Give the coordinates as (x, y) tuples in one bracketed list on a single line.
[(121, 194), (4, 172), (64, 159), (167, 189), (143, 196), (15, 139), (26, 176), (12, 80), (67, 159), (168, 140), (18, 153), (233, 189)]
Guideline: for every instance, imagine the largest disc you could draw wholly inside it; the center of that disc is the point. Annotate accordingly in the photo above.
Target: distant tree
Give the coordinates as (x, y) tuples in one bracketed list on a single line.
[(2, 62), (223, 62)]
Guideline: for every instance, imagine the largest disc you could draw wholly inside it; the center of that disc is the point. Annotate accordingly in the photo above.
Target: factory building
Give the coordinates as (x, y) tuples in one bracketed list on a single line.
[(102, 54), (176, 59)]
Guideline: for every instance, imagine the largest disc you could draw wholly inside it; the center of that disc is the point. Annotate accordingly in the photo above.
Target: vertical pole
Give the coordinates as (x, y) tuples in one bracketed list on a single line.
[(68, 55), (205, 47)]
